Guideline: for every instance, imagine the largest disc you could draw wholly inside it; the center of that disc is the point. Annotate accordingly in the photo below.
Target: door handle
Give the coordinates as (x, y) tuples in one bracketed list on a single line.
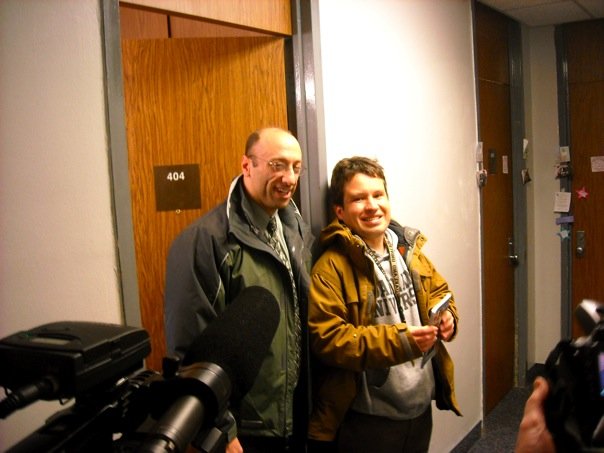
[(511, 255), (580, 243)]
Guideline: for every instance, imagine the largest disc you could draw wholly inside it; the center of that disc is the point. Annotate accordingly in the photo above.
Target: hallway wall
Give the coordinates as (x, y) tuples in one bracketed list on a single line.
[(58, 257), (541, 113), (397, 83)]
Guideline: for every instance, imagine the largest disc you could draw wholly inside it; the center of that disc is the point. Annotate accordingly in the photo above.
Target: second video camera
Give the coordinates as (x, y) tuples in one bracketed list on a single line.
[(575, 370)]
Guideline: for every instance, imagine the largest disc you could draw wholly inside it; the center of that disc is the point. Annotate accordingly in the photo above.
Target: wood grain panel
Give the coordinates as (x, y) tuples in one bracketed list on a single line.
[(585, 47), (272, 16), (491, 46), (137, 23), (191, 101), (181, 27), (497, 213), (585, 43), (587, 128), (497, 205)]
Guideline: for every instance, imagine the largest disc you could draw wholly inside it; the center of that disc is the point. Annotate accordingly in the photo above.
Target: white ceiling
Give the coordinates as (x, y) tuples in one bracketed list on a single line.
[(535, 13)]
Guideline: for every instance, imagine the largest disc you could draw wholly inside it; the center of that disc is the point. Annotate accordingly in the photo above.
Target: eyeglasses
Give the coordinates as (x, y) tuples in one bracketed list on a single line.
[(280, 167)]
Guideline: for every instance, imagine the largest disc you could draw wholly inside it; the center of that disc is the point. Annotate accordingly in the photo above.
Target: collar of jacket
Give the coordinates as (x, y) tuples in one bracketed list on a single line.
[(409, 240)]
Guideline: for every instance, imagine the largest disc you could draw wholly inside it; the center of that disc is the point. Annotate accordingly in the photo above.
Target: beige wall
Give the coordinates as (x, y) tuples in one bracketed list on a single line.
[(541, 108), (57, 259)]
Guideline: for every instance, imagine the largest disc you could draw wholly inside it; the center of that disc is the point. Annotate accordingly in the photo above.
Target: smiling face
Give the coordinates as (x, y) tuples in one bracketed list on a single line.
[(269, 169), (366, 209)]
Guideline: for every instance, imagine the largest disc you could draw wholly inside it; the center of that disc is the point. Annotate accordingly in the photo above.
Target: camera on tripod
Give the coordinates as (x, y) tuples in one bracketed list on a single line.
[(574, 409)]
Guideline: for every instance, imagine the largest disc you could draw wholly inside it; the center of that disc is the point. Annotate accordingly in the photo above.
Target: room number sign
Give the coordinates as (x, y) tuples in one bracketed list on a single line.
[(177, 187)]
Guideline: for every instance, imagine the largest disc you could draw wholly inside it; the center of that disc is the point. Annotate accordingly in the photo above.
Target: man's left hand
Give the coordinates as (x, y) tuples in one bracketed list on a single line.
[(446, 326)]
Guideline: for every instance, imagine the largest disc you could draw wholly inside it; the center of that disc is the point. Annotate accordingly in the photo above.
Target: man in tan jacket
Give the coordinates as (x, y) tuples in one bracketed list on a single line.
[(369, 324)]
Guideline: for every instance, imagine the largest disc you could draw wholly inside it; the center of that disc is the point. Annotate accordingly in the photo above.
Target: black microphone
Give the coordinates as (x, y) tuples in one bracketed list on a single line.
[(239, 338), (220, 367)]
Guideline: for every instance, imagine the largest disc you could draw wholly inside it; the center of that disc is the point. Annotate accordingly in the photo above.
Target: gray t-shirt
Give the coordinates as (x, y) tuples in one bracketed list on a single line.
[(403, 391)]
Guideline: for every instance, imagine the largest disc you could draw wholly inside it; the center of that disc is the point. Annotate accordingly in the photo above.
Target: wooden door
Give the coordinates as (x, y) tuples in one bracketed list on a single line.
[(497, 204), (585, 52), (190, 102)]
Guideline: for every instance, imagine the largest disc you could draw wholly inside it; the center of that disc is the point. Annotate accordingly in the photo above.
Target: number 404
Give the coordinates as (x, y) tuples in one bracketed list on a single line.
[(176, 176)]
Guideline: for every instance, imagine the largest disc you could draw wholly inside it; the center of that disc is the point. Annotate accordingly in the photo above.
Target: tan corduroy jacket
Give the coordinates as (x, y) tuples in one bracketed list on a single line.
[(344, 339)]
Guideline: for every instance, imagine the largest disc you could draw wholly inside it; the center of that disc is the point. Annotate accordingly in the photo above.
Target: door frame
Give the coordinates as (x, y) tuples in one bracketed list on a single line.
[(300, 76), (118, 163), (566, 261), (519, 200)]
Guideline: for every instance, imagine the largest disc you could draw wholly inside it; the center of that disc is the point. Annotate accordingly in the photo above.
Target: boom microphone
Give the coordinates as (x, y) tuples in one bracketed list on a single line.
[(220, 367), (239, 338)]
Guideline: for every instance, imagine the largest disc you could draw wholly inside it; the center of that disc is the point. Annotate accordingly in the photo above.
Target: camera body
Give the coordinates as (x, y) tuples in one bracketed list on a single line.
[(575, 371), (119, 405)]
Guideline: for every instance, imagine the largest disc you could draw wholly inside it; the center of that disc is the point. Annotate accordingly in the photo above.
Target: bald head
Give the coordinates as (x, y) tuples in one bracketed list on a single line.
[(266, 133), (271, 167)]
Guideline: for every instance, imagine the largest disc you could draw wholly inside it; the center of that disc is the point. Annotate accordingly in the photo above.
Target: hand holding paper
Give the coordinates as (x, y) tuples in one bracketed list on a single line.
[(446, 328), (443, 318), (437, 311), (440, 317)]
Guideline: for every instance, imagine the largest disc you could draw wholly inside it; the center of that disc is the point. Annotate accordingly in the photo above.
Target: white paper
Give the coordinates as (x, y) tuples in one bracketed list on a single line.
[(504, 164), (562, 202), (479, 152), (597, 164), (525, 143)]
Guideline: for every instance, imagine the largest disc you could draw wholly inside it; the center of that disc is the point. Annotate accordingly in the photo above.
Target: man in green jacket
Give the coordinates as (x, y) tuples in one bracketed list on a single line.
[(371, 292), (227, 250)]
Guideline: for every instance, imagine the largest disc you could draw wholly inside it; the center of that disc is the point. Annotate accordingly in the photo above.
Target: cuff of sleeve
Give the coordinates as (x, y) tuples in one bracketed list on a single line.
[(454, 325), (411, 349)]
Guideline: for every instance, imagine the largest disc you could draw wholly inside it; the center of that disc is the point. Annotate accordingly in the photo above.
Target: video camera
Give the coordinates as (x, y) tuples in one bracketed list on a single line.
[(122, 407), (574, 409), (92, 362)]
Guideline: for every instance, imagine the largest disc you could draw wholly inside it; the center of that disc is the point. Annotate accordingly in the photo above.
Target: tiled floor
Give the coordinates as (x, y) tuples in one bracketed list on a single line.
[(500, 427)]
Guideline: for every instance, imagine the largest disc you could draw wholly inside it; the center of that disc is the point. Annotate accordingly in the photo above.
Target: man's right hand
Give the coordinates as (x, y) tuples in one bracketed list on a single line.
[(424, 336), (533, 435)]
